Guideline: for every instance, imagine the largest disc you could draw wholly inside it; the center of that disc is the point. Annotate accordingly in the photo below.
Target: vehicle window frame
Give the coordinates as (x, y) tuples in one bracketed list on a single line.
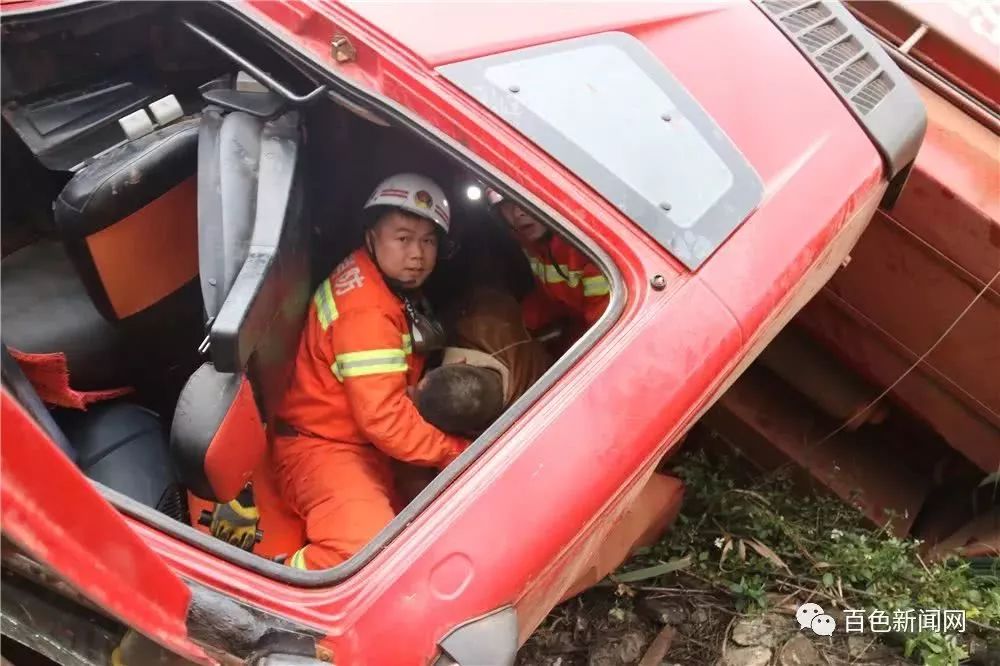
[(341, 91)]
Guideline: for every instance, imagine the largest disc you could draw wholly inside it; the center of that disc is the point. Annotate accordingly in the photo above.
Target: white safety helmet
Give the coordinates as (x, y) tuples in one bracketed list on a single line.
[(493, 197), (415, 194)]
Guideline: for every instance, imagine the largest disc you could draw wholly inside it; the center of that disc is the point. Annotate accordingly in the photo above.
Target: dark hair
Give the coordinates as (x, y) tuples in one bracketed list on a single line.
[(460, 399)]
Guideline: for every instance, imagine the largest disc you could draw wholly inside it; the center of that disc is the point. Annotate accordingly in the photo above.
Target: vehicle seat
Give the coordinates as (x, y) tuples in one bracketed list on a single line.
[(122, 446), (46, 308), (125, 247), (255, 280)]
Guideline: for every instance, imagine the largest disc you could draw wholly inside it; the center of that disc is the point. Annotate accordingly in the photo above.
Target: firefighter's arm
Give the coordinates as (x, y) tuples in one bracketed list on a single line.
[(370, 359), (596, 293)]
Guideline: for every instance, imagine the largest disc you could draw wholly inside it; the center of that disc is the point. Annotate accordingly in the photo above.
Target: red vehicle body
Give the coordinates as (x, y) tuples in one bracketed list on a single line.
[(943, 265), (928, 333), (504, 542)]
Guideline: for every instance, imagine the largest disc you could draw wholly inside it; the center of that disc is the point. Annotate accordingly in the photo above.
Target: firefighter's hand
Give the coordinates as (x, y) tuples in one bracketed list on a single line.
[(236, 522)]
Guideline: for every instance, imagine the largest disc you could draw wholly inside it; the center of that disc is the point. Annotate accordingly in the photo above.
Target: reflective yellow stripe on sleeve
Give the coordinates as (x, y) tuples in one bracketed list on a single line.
[(373, 362), (536, 268), (298, 560), (596, 286), (553, 274), (407, 344), (326, 308)]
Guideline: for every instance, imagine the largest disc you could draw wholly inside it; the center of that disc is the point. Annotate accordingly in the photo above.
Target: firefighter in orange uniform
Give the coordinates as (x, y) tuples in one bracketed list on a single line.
[(567, 283), (347, 412)]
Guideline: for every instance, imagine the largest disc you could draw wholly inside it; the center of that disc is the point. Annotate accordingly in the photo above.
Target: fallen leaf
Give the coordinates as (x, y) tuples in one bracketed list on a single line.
[(757, 496), (769, 555), (725, 551), (659, 648), (653, 571)]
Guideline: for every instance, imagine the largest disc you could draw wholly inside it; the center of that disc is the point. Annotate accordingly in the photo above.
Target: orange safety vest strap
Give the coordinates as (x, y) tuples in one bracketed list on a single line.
[(372, 360)]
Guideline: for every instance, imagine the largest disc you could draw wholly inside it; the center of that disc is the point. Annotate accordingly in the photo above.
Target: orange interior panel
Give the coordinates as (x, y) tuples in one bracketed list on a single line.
[(151, 253)]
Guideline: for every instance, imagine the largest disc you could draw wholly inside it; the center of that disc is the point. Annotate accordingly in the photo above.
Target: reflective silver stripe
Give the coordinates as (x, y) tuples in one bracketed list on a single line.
[(371, 362)]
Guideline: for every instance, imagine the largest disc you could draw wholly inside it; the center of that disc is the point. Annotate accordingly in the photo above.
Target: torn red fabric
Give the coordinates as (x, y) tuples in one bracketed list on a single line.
[(49, 374)]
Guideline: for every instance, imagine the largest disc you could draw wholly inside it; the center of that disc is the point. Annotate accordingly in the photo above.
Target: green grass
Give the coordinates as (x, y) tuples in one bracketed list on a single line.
[(760, 537)]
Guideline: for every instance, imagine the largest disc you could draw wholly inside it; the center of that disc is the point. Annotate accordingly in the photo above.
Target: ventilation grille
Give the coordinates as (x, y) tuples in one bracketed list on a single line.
[(839, 53), (857, 75), (823, 35), (781, 6), (872, 93), (174, 503), (806, 17)]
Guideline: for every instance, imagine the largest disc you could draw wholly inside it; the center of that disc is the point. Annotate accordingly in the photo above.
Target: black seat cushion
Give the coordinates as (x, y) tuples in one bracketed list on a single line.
[(124, 447), (46, 308)]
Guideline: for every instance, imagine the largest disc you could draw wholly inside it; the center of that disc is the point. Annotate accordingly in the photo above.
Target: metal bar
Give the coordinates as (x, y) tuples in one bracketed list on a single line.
[(977, 108), (912, 40), (260, 75), (964, 101)]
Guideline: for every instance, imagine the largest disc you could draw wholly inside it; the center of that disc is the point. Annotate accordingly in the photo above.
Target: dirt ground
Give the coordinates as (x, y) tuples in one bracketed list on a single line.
[(599, 628), (604, 627)]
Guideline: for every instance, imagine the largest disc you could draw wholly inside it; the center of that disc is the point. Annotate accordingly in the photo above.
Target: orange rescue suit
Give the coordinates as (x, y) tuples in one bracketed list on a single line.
[(347, 413), (567, 283)]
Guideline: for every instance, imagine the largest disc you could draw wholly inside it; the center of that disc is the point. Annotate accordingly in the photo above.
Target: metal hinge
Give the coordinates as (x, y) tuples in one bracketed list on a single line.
[(342, 50)]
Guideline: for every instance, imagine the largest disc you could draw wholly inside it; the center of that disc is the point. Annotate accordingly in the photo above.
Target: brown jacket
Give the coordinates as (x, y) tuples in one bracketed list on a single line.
[(489, 320)]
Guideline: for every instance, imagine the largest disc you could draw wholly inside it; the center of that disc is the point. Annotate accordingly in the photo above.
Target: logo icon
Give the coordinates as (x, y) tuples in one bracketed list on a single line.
[(812, 616), (823, 625), (423, 199)]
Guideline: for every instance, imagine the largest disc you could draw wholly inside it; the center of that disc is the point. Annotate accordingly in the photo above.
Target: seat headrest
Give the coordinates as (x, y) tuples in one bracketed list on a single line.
[(125, 179)]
